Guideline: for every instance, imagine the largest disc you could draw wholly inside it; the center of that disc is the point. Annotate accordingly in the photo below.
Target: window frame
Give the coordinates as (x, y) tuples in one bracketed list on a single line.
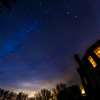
[(92, 61)]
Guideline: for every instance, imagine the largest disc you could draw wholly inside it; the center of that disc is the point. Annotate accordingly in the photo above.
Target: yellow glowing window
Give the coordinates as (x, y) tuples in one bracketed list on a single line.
[(92, 61), (97, 52), (85, 81)]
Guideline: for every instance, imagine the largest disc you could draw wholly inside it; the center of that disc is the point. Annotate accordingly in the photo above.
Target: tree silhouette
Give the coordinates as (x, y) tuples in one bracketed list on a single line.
[(32, 98), (12, 96), (60, 91), (37, 96), (6, 4), (2, 92), (73, 93), (60, 87), (21, 96), (6, 94), (45, 94)]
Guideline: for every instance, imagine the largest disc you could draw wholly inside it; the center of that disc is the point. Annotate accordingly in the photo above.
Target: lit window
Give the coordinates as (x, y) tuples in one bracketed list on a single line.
[(92, 61), (97, 51), (85, 81)]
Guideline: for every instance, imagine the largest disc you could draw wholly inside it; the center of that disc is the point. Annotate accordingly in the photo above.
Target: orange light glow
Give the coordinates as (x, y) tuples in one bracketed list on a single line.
[(85, 81), (92, 61), (82, 90), (97, 52)]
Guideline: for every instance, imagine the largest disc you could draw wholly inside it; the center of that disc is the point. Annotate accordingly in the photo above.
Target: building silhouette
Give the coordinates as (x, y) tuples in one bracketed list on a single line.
[(89, 69)]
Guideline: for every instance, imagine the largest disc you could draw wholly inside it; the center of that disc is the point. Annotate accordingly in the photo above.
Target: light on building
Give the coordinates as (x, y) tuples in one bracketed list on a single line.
[(92, 61), (97, 52), (85, 81)]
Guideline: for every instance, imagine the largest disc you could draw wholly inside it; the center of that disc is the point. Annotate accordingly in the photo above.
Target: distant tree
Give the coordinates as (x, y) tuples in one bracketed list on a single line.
[(12, 96), (6, 4), (6, 94), (22, 96), (37, 96), (60, 87), (46, 94), (59, 91), (53, 95), (31, 98), (62, 92), (2, 92), (70, 93), (74, 93)]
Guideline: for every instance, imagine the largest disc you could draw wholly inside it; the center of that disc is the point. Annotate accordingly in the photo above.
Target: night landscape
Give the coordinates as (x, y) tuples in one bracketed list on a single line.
[(49, 49)]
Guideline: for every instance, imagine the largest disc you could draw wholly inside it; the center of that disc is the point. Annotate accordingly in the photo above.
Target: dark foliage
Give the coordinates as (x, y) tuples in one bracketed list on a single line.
[(46, 94), (6, 4), (69, 93), (60, 92)]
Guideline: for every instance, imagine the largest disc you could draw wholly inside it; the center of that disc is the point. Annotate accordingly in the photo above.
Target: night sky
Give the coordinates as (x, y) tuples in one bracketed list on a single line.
[(38, 40)]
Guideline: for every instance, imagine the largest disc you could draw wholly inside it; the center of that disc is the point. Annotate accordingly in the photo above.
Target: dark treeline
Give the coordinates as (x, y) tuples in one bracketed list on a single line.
[(6, 95), (60, 92)]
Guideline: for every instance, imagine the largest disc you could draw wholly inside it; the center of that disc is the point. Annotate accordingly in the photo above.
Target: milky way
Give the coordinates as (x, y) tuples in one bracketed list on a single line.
[(38, 40), (14, 43)]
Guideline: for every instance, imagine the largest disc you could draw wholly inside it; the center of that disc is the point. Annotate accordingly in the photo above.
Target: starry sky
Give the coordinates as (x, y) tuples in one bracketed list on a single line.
[(38, 40)]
